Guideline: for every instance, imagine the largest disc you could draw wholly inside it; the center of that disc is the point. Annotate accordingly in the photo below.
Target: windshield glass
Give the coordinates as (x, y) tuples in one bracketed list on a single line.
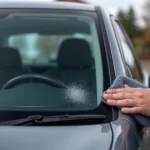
[(63, 46)]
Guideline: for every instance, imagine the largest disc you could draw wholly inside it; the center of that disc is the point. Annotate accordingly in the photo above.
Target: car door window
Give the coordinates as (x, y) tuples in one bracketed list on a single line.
[(128, 54)]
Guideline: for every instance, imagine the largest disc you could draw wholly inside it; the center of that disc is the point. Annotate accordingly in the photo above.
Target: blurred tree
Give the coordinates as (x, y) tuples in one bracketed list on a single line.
[(50, 43), (146, 15), (46, 43), (128, 20), (147, 37)]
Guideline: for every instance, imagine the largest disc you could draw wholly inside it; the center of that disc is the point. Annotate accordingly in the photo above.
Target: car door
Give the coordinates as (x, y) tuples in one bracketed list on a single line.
[(131, 61)]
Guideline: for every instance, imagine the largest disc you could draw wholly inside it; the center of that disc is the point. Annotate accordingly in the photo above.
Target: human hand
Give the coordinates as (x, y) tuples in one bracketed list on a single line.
[(132, 100)]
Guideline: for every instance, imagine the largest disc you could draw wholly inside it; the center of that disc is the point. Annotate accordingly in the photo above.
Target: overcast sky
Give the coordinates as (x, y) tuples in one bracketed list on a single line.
[(112, 5)]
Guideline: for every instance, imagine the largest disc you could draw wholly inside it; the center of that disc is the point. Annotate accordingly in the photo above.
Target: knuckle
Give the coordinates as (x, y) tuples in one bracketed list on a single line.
[(126, 95), (114, 96), (115, 103), (139, 110), (127, 102), (129, 110), (123, 95), (131, 101), (113, 91), (140, 89), (140, 94)]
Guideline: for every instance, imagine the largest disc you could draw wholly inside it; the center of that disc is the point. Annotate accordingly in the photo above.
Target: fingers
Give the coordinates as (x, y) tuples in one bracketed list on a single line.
[(119, 96), (134, 110), (122, 103), (129, 90)]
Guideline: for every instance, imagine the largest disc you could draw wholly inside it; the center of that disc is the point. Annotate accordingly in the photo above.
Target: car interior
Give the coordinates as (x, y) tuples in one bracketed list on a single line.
[(49, 66), (72, 65), (10, 65)]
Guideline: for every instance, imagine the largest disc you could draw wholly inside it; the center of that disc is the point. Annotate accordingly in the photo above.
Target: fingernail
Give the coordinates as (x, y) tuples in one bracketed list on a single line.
[(109, 91), (105, 95), (109, 101), (123, 110)]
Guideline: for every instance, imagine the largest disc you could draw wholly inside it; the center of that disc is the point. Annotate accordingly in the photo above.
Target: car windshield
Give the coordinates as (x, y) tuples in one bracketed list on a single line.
[(62, 46)]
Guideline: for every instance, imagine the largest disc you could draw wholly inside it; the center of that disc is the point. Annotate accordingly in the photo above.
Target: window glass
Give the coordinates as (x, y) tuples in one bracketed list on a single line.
[(128, 55), (62, 46), (41, 49)]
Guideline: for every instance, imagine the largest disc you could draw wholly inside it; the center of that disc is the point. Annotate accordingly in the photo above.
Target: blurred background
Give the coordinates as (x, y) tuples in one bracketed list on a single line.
[(135, 17)]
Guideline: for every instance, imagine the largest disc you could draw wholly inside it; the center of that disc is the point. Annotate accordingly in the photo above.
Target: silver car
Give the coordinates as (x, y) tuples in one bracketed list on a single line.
[(56, 60)]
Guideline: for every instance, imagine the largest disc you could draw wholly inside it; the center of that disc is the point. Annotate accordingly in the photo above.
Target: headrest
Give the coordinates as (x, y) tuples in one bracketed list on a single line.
[(9, 57), (75, 53)]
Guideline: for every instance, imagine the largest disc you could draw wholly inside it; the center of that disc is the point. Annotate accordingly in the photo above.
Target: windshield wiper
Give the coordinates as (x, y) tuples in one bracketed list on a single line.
[(40, 120)]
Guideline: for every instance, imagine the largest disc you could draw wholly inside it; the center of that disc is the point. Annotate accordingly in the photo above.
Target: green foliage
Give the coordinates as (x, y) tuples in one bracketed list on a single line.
[(128, 20), (146, 12)]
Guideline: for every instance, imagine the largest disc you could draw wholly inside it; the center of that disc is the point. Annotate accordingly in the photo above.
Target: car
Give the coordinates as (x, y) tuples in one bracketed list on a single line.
[(56, 60)]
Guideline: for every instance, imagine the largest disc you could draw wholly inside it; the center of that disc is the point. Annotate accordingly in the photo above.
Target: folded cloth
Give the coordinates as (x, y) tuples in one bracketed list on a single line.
[(119, 82)]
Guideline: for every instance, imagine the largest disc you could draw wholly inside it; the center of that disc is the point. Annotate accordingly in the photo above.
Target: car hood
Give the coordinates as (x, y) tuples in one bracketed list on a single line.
[(91, 137)]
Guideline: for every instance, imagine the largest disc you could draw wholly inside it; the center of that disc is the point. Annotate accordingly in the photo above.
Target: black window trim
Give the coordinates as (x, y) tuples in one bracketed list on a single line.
[(109, 59), (114, 21), (106, 46), (133, 51), (128, 72)]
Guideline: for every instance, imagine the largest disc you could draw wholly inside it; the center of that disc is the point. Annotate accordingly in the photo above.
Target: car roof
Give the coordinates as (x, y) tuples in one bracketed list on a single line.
[(47, 5)]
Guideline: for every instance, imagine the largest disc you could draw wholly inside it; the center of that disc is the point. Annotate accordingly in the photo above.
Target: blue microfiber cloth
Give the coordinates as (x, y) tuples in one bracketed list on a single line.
[(119, 83)]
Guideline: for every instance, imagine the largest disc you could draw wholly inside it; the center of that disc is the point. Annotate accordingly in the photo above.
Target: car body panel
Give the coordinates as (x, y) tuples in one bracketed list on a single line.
[(85, 137), (47, 5), (91, 137), (124, 136)]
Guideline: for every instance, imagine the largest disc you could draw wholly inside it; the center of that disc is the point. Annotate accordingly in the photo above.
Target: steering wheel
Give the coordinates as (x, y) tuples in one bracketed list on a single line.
[(33, 78)]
